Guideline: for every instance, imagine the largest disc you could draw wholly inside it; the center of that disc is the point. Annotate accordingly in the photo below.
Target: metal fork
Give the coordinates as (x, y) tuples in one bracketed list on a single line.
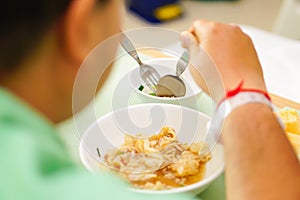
[(182, 63), (148, 74)]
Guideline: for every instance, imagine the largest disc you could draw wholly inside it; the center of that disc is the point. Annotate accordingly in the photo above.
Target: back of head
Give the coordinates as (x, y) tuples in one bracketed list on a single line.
[(23, 24)]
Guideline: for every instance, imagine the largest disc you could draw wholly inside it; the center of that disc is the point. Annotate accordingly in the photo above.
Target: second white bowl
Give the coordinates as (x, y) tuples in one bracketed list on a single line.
[(165, 66)]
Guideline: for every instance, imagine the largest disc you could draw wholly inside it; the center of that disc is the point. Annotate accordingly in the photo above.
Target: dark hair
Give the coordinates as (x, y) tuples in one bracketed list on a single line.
[(23, 25)]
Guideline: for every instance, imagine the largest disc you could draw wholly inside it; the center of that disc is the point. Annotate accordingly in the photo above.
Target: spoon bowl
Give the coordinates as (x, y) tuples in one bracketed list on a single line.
[(173, 86), (169, 86)]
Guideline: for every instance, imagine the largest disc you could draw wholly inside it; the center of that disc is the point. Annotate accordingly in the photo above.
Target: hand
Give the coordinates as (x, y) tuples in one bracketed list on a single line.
[(231, 50)]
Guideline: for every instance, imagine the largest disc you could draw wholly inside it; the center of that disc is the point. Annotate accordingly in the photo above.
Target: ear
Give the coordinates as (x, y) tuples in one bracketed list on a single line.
[(74, 29)]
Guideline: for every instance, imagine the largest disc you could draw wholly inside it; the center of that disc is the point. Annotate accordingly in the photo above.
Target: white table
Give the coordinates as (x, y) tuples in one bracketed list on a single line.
[(280, 59)]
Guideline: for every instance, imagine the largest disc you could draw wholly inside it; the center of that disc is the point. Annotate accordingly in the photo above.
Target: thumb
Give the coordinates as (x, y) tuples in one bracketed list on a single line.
[(187, 39), (189, 42)]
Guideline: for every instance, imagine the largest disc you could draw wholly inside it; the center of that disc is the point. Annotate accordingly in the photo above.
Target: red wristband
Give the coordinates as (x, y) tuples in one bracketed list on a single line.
[(238, 89)]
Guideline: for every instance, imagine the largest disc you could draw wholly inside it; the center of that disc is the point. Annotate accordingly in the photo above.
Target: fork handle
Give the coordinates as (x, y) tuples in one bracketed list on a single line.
[(182, 63), (130, 49)]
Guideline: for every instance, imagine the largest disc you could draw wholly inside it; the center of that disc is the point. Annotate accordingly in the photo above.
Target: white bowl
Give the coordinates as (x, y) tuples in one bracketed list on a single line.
[(190, 125), (166, 66)]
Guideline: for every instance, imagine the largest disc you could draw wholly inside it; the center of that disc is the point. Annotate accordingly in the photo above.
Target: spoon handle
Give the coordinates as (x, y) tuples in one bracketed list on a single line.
[(182, 63), (128, 46)]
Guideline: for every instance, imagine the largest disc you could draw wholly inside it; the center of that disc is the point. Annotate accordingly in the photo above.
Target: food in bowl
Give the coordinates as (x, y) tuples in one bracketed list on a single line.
[(109, 131), (146, 90), (160, 161), (291, 120)]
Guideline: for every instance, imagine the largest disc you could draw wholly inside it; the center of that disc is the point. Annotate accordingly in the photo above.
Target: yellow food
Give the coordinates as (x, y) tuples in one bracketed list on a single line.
[(291, 120), (159, 162)]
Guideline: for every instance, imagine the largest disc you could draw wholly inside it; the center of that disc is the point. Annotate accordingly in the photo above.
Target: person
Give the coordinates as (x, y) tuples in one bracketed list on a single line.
[(260, 162), (42, 46)]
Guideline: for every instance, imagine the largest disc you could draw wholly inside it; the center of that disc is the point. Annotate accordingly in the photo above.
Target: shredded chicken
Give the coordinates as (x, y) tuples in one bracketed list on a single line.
[(158, 162)]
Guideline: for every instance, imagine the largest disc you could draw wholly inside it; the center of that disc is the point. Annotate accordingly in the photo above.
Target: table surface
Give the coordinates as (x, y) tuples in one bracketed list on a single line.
[(262, 40)]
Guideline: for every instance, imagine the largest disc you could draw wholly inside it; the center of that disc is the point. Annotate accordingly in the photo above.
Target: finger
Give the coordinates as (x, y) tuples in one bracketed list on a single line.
[(203, 29), (187, 39), (200, 28)]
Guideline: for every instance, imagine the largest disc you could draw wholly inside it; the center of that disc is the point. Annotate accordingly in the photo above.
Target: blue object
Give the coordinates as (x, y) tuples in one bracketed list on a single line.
[(215, 0), (156, 11)]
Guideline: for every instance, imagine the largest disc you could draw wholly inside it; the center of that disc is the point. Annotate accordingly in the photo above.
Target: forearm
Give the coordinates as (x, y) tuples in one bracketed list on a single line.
[(260, 163)]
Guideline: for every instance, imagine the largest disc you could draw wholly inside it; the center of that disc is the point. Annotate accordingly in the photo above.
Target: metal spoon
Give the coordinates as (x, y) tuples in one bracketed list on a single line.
[(173, 86)]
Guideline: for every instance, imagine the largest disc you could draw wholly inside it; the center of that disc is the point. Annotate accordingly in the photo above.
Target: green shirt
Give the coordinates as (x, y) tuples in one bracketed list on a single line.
[(35, 165)]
